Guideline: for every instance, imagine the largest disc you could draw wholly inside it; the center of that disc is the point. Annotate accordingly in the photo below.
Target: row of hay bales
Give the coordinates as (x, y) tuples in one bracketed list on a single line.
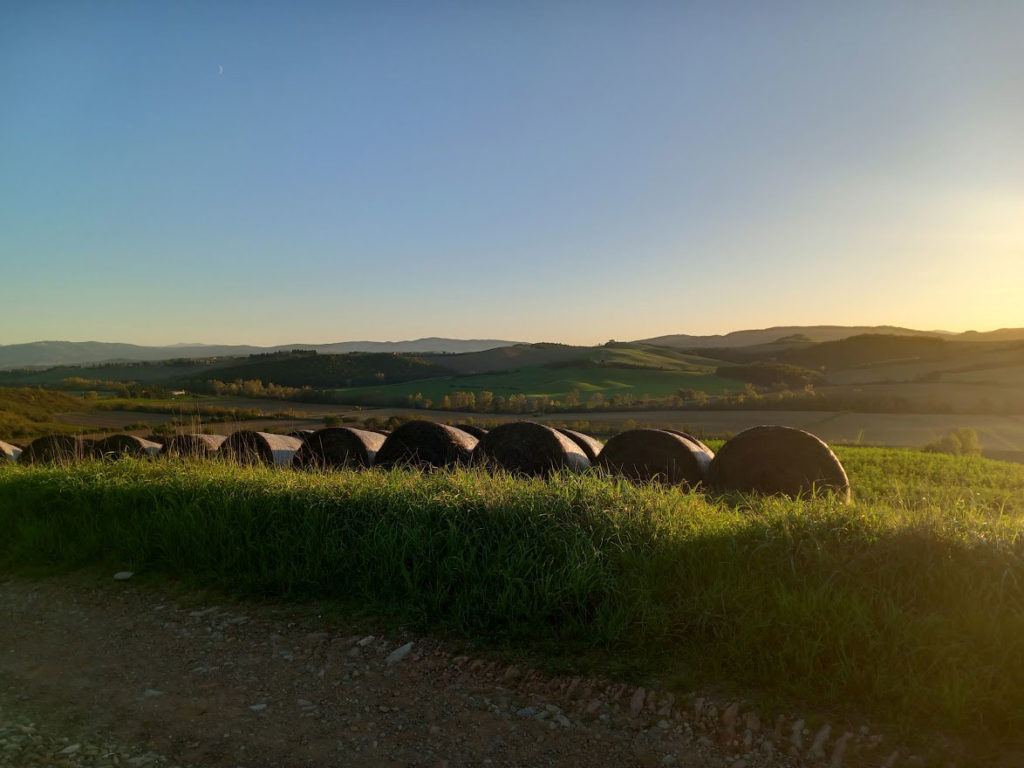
[(767, 459)]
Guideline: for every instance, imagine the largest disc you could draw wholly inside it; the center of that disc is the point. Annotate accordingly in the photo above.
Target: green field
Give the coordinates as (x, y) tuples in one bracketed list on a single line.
[(907, 605), (548, 382), (26, 413), (872, 373)]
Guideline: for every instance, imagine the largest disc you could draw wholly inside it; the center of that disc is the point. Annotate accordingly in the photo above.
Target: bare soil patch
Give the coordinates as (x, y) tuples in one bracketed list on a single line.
[(114, 673)]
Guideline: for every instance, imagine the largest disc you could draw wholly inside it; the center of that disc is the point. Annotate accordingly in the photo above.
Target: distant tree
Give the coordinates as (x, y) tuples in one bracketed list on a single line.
[(958, 442), (485, 401)]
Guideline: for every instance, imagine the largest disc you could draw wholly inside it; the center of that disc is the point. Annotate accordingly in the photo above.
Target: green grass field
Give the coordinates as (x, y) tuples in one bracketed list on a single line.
[(547, 382), (26, 413), (907, 605)]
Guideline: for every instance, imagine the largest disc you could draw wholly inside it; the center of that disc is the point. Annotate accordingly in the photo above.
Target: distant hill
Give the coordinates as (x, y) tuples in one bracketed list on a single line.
[(869, 350), (52, 353), (803, 333), (819, 333), (49, 353), (39, 354), (418, 346)]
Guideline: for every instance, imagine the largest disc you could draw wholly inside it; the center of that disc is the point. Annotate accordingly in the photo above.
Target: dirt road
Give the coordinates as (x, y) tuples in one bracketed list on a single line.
[(105, 673)]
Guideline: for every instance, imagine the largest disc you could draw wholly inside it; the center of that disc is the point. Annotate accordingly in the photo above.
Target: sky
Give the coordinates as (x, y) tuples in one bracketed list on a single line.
[(272, 173)]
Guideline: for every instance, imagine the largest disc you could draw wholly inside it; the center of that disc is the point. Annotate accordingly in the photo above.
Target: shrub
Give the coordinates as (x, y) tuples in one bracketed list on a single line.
[(958, 442)]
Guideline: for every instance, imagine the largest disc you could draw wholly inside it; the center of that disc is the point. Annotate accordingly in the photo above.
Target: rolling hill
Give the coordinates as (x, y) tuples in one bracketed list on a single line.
[(53, 353), (821, 333)]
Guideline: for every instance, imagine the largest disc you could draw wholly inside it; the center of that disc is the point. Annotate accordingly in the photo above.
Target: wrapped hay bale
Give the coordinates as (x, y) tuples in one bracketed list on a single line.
[(193, 446), (591, 446), (116, 446), (247, 447), (529, 448), (472, 429), (339, 447), (426, 444), (778, 460), (691, 438), (56, 449), (644, 455), (9, 451)]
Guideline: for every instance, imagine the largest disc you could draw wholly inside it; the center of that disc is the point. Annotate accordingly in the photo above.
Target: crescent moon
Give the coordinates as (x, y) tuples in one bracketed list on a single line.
[(220, 69)]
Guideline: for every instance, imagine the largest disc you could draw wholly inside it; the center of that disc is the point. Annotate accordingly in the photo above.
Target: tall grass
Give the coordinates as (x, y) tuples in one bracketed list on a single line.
[(910, 601)]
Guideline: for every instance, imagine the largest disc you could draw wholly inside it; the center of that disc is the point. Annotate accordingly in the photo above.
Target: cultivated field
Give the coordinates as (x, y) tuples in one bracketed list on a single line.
[(999, 435), (555, 383)]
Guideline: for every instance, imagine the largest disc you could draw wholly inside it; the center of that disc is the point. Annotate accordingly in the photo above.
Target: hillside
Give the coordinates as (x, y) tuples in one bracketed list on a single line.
[(813, 333), (25, 412), (53, 353), (612, 355), (887, 372), (56, 353), (823, 333), (869, 350), (301, 369), (555, 382)]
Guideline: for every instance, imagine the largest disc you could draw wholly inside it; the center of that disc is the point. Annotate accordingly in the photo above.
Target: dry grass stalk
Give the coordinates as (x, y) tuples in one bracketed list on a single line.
[(193, 445), (116, 446), (56, 449)]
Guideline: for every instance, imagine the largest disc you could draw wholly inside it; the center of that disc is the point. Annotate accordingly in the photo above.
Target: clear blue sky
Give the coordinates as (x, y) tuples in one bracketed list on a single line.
[(564, 171)]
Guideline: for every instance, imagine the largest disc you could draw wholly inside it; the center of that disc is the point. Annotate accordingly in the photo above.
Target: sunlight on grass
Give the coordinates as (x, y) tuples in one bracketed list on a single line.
[(909, 601)]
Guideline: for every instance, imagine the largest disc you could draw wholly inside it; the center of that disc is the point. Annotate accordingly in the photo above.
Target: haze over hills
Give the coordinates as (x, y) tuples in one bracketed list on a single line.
[(748, 338), (54, 353), (50, 353)]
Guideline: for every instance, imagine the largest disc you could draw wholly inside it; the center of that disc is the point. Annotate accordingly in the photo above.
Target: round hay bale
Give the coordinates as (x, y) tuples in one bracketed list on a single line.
[(591, 446), (116, 446), (193, 446), (339, 447), (691, 438), (426, 444), (302, 434), (9, 451), (529, 448), (56, 449), (644, 455), (778, 460), (472, 429), (155, 438), (248, 447)]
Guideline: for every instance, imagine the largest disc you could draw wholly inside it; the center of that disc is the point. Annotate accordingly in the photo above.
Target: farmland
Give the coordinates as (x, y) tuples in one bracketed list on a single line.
[(868, 390), (868, 374), (905, 604), (546, 382), (1000, 436)]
